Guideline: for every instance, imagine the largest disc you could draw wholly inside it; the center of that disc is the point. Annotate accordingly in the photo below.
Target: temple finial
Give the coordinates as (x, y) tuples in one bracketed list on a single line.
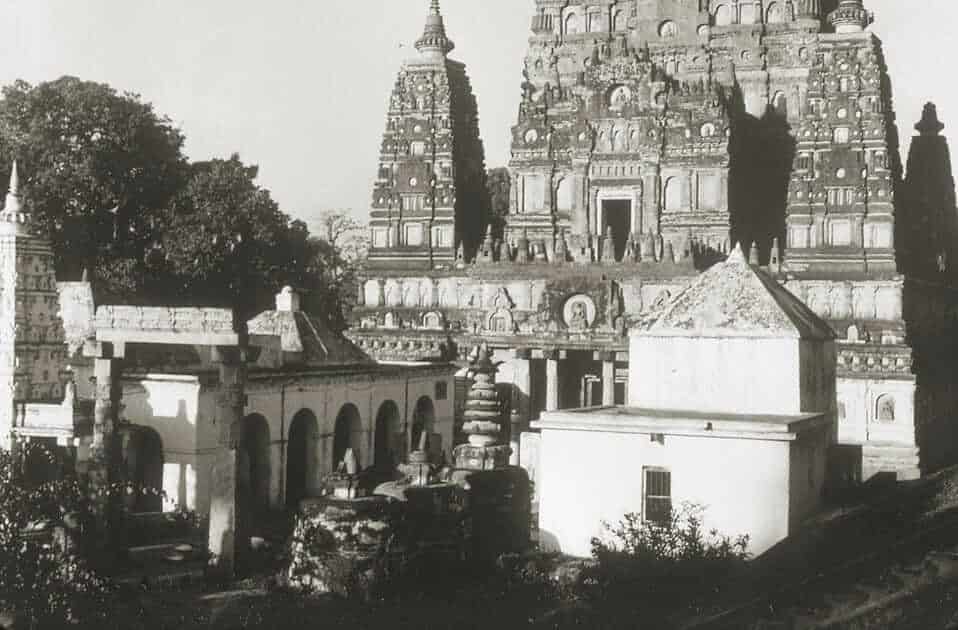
[(434, 40), (929, 125)]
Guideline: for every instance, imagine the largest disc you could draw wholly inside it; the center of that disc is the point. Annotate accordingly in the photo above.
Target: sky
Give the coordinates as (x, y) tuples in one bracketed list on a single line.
[(300, 87)]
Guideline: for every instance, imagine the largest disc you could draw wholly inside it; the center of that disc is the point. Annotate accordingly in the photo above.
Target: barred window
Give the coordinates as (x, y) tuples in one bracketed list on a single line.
[(657, 496)]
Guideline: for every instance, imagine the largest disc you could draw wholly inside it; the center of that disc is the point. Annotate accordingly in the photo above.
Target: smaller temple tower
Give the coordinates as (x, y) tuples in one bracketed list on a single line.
[(428, 195), (32, 350)]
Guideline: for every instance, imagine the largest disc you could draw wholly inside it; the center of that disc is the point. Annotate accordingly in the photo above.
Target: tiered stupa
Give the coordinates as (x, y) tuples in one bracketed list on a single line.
[(482, 420)]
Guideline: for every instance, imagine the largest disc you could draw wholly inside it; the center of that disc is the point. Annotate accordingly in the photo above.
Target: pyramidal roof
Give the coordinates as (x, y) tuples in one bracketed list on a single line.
[(302, 334), (735, 299)]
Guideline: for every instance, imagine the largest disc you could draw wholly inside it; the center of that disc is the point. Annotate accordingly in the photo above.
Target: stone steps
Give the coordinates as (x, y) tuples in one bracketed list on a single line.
[(904, 461)]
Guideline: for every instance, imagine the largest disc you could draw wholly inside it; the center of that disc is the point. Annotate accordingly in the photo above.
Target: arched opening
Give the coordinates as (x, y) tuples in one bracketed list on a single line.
[(571, 24), (886, 409), (252, 468), (143, 463), (780, 104), (775, 13), (674, 193), (347, 434), (618, 20), (723, 15), (388, 439), (424, 419), (301, 461)]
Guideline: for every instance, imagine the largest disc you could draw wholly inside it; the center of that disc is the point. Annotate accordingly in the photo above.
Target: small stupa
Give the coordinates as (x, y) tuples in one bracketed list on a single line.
[(482, 420)]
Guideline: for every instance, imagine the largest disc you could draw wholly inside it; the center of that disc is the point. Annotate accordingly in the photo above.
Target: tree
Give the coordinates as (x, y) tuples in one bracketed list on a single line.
[(96, 167), (335, 266), (224, 238)]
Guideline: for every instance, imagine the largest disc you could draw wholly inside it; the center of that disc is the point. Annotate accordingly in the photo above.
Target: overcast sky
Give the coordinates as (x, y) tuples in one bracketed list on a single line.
[(300, 87)]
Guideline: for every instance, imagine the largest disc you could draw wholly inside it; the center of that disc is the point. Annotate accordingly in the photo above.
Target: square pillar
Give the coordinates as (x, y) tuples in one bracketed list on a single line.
[(552, 380), (104, 459), (608, 379), (225, 529)]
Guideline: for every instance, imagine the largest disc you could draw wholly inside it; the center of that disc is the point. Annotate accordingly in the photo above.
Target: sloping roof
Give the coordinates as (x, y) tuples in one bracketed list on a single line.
[(735, 299), (304, 334)]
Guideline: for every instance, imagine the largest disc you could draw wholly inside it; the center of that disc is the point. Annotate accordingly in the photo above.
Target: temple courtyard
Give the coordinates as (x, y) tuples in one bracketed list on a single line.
[(874, 559)]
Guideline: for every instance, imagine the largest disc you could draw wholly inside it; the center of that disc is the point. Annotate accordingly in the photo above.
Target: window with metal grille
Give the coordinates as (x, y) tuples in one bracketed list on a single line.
[(658, 495)]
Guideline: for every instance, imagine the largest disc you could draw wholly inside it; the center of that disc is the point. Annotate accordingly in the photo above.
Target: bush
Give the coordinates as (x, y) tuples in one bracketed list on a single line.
[(666, 564), (43, 580)]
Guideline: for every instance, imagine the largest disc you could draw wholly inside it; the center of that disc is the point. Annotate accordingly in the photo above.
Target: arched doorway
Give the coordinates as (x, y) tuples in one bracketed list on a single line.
[(301, 457), (387, 442), (423, 419), (252, 468), (143, 462), (347, 434)]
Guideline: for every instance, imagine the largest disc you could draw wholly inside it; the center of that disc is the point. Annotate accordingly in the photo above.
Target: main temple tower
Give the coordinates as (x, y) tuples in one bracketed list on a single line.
[(653, 134), (427, 199)]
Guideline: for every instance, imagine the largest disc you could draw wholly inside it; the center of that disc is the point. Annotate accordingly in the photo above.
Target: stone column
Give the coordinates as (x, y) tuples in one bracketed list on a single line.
[(103, 460), (225, 529), (522, 384), (552, 380), (608, 378)]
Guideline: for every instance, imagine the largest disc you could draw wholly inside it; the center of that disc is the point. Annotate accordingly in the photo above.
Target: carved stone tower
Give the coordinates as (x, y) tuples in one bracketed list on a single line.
[(427, 199), (32, 350)]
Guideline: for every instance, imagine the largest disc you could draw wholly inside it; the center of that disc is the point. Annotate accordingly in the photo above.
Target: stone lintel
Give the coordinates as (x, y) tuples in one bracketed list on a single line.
[(104, 349), (168, 337)]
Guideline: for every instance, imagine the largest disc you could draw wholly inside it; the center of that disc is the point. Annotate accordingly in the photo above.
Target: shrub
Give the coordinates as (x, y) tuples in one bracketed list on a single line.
[(43, 580), (664, 564)]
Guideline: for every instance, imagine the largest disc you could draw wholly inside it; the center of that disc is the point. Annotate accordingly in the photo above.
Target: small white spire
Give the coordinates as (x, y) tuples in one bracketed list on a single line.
[(12, 206), (737, 257)]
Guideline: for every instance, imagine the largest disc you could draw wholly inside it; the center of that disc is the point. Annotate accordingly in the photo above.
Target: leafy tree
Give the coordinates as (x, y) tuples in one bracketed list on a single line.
[(97, 166), (224, 239)]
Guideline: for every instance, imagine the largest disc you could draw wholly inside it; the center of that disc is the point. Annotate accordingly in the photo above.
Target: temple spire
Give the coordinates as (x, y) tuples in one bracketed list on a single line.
[(434, 41)]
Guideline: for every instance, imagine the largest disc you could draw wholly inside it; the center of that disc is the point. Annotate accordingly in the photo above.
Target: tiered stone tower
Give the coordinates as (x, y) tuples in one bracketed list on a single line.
[(32, 350), (652, 134), (427, 199)]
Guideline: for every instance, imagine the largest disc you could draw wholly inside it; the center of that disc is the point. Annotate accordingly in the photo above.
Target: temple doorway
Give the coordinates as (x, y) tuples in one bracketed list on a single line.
[(617, 216), (301, 473), (143, 456)]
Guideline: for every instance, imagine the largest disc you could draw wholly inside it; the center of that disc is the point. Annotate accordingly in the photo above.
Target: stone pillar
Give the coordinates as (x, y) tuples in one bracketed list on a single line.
[(608, 379), (225, 529), (103, 460), (552, 380), (522, 386)]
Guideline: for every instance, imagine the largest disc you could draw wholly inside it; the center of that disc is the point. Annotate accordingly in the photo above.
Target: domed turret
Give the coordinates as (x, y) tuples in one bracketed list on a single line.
[(850, 17)]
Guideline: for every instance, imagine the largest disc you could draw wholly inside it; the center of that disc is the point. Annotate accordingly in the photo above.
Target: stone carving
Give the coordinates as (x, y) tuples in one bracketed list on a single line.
[(579, 313)]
